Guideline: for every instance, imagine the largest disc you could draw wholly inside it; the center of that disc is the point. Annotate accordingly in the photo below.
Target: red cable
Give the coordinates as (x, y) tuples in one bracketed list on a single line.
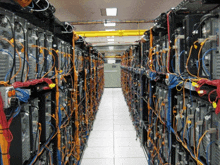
[(5, 126), (215, 83), (210, 96), (32, 82)]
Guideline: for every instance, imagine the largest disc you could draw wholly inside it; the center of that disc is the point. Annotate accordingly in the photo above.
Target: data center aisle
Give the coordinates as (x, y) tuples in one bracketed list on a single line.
[(113, 139)]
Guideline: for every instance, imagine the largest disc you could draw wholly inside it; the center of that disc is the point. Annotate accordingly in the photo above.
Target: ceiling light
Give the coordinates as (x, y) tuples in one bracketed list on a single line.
[(111, 47), (110, 42), (111, 11), (109, 24), (110, 39), (110, 36), (109, 29)]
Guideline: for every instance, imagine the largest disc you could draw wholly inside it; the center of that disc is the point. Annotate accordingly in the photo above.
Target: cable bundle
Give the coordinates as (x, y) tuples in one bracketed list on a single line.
[(22, 95), (6, 141), (33, 82)]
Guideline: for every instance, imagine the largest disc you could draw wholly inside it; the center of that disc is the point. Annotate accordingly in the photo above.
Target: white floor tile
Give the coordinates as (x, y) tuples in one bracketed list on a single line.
[(122, 121), (129, 152), (122, 117), (105, 114), (120, 134), (131, 161), (104, 117), (123, 128), (100, 142), (101, 134), (129, 125), (98, 152), (103, 127), (113, 138), (98, 162), (126, 142), (103, 121)]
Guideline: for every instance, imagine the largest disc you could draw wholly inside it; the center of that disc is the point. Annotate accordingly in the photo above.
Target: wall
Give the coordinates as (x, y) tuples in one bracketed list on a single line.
[(112, 75)]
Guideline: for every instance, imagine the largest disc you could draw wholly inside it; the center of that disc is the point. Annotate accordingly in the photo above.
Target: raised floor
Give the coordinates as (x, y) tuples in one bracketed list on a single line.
[(113, 139)]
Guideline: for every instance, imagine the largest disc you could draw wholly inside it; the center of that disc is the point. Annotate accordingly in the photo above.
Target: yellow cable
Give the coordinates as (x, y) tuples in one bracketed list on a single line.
[(200, 50), (200, 140), (50, 53)]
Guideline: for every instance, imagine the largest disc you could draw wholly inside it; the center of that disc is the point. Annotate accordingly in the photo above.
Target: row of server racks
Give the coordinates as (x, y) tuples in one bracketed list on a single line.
[(171, 80), (51, 84)]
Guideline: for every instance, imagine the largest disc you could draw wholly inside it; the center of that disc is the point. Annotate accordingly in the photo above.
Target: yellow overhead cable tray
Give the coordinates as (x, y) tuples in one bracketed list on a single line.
[(112, 56), (119, 33)]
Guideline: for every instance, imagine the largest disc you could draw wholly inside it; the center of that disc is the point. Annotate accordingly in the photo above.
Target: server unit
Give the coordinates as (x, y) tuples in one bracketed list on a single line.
[(20, 44), (20, 129), (6, 49), (32, 38)]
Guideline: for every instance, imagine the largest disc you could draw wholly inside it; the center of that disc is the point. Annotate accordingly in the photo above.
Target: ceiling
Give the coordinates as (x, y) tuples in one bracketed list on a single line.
[(89, 10)]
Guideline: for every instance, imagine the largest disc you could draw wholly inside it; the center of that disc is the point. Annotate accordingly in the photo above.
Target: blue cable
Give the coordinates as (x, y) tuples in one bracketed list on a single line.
[(7, 74), (2, 50), (24, 97), (207, 156), (11, 69), (173, 81), (203, 61), (153, 75), (31, 6), (17, 111)]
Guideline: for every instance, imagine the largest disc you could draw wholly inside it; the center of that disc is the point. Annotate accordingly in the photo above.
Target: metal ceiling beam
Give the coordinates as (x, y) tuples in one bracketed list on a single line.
[(120, 33), (112, 21)]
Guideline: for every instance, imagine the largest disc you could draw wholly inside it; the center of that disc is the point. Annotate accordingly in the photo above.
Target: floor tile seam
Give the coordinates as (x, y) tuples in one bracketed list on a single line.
[(113, 132)]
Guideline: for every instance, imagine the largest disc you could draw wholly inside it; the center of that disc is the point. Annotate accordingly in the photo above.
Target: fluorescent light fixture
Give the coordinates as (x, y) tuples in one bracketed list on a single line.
[(109, 29), (110, 42), (111, 11), (110, 36), (109, 24), (111, 47), (110, 39)]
